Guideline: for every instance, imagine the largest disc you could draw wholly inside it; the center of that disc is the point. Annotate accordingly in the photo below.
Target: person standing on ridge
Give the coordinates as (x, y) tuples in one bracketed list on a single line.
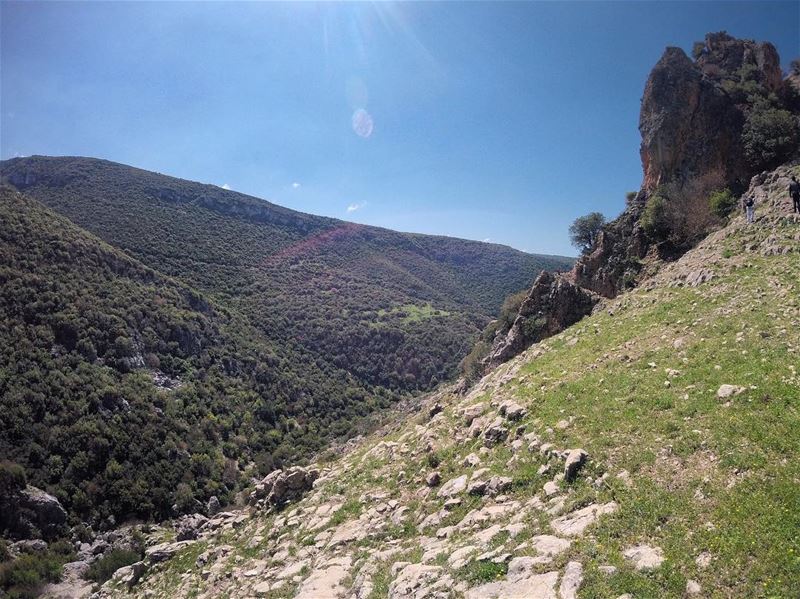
[(794, 192), (749, 204)]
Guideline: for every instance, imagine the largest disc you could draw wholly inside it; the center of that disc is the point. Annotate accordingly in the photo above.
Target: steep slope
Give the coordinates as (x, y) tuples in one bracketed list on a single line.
[(123, 392), (395, 310), (685, 395)]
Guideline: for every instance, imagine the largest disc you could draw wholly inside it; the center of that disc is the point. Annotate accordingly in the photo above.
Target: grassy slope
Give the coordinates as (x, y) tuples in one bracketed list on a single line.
[(707, 475)]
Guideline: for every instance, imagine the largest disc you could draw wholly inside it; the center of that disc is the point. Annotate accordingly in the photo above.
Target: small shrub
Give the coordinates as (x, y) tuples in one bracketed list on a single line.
[(12, 478), (104, 568), (654, 217), (24, 577), (769, 135), (722, 202)]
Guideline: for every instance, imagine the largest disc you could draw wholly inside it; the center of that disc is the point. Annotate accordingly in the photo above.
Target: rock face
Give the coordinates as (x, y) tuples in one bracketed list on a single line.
[(690, 126), (282, 486), (691, 122), (553, 304)]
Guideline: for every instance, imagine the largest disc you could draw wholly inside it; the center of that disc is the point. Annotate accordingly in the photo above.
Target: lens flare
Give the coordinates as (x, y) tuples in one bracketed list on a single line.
[(362, 123)]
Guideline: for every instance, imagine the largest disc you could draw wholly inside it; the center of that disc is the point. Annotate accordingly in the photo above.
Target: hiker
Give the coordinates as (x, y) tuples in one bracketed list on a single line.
[(794, 192), (750, 208)]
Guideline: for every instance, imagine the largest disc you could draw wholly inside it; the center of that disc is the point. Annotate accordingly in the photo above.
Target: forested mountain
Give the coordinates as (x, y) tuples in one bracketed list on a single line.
[(123, 391), (209, 335), (394, 309)]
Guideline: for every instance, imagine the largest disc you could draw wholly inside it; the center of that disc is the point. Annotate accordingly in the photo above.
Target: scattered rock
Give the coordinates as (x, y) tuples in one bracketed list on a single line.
[(549, 545), (571, 580), (164, 551), (433, 479), (703, 560), (575, 461), (550, 488), (644, 557), (417, 581), (531, 586), (693, 587), (326, 580), (472, 460), (453, 487), (575, 523), (726, 391)]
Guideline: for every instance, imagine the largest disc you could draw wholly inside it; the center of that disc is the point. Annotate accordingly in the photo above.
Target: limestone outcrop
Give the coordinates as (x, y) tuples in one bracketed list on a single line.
[(553, 304), (282, 486)]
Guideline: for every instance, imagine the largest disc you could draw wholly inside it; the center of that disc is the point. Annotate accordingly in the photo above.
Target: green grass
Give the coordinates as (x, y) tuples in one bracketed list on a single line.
[(409, 313)]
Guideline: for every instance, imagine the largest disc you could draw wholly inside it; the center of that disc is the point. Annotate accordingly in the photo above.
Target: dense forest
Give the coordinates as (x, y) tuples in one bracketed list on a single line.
[(123, 391), (335, 290), (209, 336)]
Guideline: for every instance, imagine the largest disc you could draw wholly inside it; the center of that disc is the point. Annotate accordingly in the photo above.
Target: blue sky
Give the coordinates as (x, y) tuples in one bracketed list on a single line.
[(492, 121)]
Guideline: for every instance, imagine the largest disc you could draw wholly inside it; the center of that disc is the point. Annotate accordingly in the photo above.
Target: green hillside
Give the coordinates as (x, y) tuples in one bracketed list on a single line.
[(685, 395), (123, 391), (314, 284)]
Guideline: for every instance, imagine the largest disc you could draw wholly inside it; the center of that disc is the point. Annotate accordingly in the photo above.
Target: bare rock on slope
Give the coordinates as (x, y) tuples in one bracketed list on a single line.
[(281, 486), (553, 304)]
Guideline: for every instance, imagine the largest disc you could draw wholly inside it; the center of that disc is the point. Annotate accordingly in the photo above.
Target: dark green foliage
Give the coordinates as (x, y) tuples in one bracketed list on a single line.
[(654, 218), (12, 479), (99, 434), (102, 569), (722, 202), (23, 577), (584, 229), (770, 135)]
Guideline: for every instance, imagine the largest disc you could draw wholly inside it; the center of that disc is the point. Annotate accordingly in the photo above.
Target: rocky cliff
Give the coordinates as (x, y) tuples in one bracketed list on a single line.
[(692, 120), (695, 140)]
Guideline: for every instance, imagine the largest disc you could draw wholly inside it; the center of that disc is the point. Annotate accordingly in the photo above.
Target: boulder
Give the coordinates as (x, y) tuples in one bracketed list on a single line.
[(282, 486), (552, 304), (495, 433), (189, 527), (213, 506), (644, 557), (575, 461), (130, 575), (433, 479), (31, 514), (727, 391), (453, 486)]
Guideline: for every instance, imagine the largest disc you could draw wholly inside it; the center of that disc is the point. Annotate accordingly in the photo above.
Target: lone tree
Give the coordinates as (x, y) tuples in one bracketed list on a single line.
[(583, 231)]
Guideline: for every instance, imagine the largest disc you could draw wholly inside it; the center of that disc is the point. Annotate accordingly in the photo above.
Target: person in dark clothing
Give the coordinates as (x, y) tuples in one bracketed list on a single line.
[(794, 192)]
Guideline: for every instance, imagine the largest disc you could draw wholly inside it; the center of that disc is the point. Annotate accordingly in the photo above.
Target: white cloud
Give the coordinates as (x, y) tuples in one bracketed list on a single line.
[(295, 185), (487, 240), (354, 207), (226, 186)]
